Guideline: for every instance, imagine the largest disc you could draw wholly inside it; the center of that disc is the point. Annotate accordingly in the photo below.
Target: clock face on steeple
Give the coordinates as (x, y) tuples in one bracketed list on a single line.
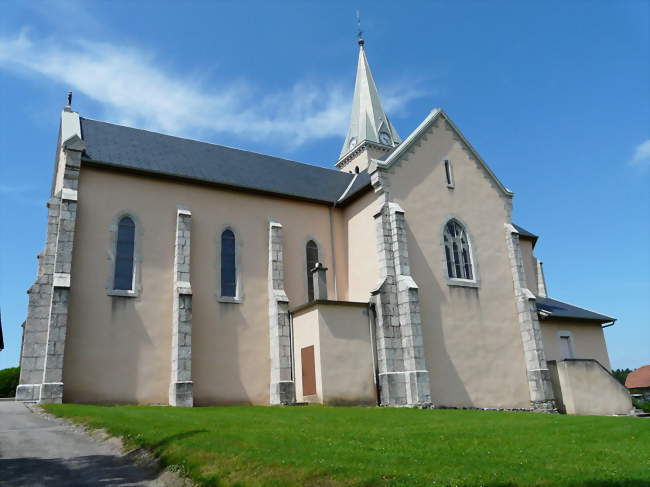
[(353, 143), (384, 138)]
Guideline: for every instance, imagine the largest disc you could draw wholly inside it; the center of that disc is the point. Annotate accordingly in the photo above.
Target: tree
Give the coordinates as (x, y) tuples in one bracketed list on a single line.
[(621, 374)]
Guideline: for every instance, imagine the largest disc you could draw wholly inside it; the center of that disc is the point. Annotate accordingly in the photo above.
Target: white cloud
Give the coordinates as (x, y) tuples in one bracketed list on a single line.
[(12, 189), (641, 156), (135, 90)]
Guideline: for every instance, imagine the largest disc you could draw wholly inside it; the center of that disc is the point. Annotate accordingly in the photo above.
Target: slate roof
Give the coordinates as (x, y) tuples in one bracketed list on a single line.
[(140, 150), (559, 309), (526, 234)]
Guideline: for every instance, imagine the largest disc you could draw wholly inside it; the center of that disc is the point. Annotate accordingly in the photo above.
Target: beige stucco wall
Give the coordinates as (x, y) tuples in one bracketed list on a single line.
[(588, 389), (588, 340), (346, 355), (530, 263), (343, 357), (118, 349), (306, 333), (361, 248), (473, 347)]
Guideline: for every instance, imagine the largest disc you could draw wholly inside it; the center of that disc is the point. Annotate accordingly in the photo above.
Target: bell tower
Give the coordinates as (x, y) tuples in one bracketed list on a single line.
[(371, 135)]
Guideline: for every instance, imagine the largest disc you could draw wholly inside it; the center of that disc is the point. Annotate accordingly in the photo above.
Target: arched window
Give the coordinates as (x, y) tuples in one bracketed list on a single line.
[(312, 259), (457, 251), (228, 265), (124, 253)]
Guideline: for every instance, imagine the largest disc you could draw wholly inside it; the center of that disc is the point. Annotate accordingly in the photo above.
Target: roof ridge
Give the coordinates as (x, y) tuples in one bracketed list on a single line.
[(214, 144), (347, 190)]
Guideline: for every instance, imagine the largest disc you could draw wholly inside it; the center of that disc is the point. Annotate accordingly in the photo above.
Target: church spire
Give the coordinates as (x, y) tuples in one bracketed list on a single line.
[(368, 121)]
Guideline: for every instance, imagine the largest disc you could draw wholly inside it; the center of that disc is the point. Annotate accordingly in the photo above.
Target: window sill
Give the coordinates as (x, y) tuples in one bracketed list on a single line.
[(229, 299), (122, 293), (463, 283)]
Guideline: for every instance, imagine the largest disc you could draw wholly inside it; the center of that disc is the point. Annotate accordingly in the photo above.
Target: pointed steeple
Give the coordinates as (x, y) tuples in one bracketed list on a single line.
[(368, 121)]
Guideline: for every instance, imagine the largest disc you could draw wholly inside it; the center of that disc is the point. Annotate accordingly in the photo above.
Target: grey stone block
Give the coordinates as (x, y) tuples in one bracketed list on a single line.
[(51, 393), (28, 392), (181, 394)]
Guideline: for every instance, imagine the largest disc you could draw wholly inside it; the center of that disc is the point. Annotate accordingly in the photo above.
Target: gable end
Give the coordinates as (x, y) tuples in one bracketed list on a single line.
[(419, 134)]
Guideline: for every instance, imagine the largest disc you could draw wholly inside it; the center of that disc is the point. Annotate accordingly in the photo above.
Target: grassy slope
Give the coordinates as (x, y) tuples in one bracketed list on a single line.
[(382, 446)]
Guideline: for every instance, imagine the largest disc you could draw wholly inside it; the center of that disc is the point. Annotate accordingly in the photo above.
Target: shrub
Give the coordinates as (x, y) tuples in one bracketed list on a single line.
[(645, 405), (9, 381)]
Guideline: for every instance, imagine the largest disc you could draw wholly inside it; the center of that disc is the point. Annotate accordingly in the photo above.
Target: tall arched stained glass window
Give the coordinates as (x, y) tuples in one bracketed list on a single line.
[(228, 264), (312, 258), (124, 254), (457, 251)]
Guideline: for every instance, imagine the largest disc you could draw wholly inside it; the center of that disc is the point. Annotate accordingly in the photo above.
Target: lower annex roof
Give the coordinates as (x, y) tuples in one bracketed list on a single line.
[(557, 309)]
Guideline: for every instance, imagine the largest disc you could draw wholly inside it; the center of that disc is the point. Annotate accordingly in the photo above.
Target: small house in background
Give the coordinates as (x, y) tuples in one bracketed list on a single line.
[(638, 383)]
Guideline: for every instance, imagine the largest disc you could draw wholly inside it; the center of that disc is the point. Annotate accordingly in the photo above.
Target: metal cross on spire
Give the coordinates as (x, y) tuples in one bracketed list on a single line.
[(359, 31)]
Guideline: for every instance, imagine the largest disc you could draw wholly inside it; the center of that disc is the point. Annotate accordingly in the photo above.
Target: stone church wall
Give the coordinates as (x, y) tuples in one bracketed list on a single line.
[(361, 249), (118, 348), (473, 346)]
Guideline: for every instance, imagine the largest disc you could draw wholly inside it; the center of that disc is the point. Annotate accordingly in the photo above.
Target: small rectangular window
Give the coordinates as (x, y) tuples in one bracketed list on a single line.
[(566, 347), (228, 264), (449, 174)]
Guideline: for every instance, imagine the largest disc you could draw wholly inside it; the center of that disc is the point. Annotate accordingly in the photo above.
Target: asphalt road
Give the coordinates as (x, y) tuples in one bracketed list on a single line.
[(38, 451)]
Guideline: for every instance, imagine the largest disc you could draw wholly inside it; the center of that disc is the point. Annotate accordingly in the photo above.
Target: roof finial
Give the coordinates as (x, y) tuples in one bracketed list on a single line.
[(68, 107), (359, 31)]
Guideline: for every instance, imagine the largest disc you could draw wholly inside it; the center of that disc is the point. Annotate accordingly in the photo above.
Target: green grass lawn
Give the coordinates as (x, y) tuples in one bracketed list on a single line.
[(381, 446)]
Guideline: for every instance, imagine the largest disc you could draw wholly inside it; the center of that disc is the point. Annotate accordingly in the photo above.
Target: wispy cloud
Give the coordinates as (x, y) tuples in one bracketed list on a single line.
[(641, 156), (134, 89), (13, 189)]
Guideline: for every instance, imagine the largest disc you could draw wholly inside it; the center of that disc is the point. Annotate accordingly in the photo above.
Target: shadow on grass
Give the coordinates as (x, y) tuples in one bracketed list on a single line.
[(177, 437)]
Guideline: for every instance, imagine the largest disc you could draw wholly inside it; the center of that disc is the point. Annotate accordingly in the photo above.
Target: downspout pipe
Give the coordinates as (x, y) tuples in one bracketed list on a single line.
[(291, 352), (333, 246)]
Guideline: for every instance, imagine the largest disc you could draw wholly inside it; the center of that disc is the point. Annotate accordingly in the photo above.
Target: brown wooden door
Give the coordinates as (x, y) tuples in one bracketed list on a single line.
[(308, 371)]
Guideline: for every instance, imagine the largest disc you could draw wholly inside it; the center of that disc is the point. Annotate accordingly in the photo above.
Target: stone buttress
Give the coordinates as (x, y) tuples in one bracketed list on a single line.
[(41, 377), (539, 377), (403, 376), (282, 384), (181, 386)]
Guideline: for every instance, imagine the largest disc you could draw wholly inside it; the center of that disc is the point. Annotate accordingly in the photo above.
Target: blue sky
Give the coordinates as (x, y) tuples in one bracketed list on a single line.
[(554, 95)]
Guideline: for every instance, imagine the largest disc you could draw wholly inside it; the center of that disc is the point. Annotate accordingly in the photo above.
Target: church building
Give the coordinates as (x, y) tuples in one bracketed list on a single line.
[(186, 273)]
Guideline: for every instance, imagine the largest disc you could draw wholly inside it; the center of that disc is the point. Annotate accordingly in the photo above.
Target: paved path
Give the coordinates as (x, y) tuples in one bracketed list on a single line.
[(37, 451)]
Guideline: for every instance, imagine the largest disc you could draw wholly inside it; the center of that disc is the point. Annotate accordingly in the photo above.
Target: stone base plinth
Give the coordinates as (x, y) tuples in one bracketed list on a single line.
[(547, 406), (407, 389), (283, 393), (393, 389), (51, 393), (28, 392), (181, 394)]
